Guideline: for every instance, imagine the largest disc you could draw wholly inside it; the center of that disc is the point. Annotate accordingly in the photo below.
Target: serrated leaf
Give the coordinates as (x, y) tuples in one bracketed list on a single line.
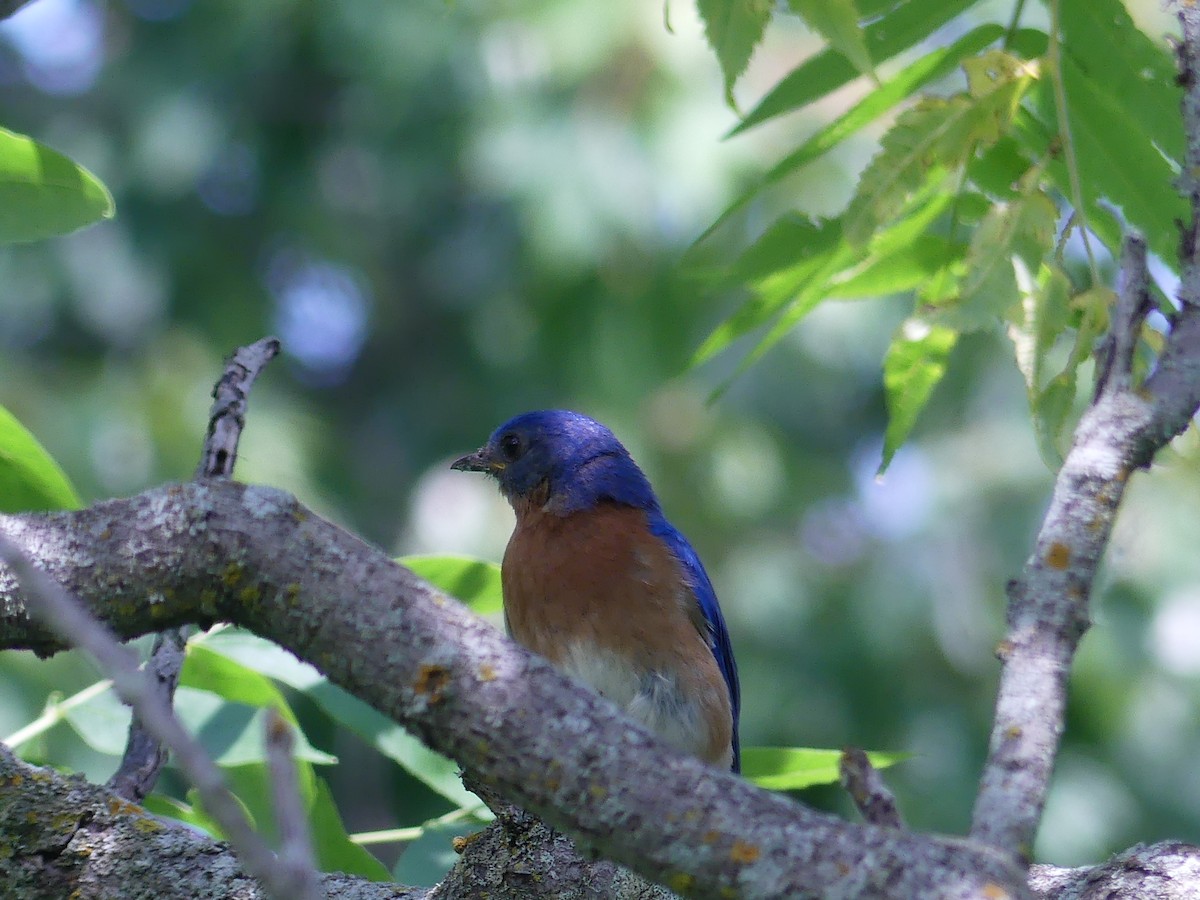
[(779, 263), (1021, 230), (43, 193), (928, 68), (733, 29), (475, 582), (898, 271), (938, 134), (794, 768), (906, 24), (30, 479), (837, 22), (914, 364)]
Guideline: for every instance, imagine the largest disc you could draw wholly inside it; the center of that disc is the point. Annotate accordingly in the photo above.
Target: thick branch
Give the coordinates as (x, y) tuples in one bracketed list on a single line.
[(254, 556), (64, 837)]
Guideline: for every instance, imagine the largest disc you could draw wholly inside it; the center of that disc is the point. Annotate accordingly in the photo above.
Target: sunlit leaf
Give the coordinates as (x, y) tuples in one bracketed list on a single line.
[(1021, 230), (914, 364), (907, 24), (899, 271), (733, 29), (475, 582), (43, 193), (30, 479), (837, 22), (784, 259), (794, 768), (433, 769), (929, 67), (938, 134), (234, 734)]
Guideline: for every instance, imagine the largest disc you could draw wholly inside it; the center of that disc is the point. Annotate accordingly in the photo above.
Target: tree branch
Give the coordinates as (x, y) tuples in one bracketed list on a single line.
[(144, 754), (256, 557), (64, 837), (1048, 609)]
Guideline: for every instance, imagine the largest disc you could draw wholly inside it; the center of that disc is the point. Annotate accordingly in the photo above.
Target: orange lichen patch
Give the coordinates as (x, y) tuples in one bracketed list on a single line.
[(119, 807), (232, 575), (843, 869), (462, 843), (1058, 556), (742, 852), (146, 825), (432, 681), (681, 882), (993, 891), (710, 837), (487, 672), (1004, 650), (1012, 732)]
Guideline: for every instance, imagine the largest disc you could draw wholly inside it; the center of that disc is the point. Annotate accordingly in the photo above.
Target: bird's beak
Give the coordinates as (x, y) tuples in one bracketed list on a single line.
[(479, 461)]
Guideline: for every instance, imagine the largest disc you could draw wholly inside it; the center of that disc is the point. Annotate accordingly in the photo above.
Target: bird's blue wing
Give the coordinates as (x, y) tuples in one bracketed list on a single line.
[(706, 599)]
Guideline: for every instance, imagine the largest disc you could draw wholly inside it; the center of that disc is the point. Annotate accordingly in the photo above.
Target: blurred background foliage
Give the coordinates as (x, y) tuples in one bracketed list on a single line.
[(451, 213)]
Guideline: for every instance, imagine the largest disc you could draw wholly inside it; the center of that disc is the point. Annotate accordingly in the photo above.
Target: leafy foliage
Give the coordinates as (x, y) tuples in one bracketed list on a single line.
[(42, 193), (995, 159), (30, 479)]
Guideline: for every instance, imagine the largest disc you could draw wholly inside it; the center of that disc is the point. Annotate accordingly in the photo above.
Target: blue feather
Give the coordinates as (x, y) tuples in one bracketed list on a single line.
[(706, 597)]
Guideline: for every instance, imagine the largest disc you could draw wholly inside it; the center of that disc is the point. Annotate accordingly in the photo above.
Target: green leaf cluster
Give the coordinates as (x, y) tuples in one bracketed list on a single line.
[(998, 148)]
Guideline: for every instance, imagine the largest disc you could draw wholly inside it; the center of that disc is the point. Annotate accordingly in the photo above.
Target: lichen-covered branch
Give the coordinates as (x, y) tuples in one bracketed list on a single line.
[(256, 557), (63, 837)]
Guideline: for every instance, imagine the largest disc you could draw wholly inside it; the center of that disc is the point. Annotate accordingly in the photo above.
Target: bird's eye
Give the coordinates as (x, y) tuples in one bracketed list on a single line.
[(511, 446)]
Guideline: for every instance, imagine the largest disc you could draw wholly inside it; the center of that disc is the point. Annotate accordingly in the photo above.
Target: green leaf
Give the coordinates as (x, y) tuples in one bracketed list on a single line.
[(1045, 310), (932, 66), (794, 768), (1021, 232), (915, 363), (30, 479), (170, 808), (900, 270), (234, 734), (780, 262), (909, 23), (475, 582), (433, 769), (1118, 163), (936, 135), (733, 29), (43, 193), (837, 21), (334, 849), (1051, 409)]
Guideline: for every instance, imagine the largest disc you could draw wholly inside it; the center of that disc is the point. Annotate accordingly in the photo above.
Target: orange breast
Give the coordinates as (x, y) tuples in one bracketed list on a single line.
[(603, 599)]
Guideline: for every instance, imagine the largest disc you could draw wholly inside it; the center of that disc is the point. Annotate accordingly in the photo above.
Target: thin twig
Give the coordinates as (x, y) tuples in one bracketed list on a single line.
[(228, 414), (295, 850), (144, 755), (78, 627), (865, 786)]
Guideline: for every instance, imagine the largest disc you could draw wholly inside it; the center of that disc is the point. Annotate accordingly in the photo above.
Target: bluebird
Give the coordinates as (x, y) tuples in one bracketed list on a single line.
[(597, 580)]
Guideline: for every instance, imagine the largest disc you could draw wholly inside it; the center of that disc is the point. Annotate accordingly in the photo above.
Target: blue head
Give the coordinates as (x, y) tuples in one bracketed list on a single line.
[(574, 460)]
